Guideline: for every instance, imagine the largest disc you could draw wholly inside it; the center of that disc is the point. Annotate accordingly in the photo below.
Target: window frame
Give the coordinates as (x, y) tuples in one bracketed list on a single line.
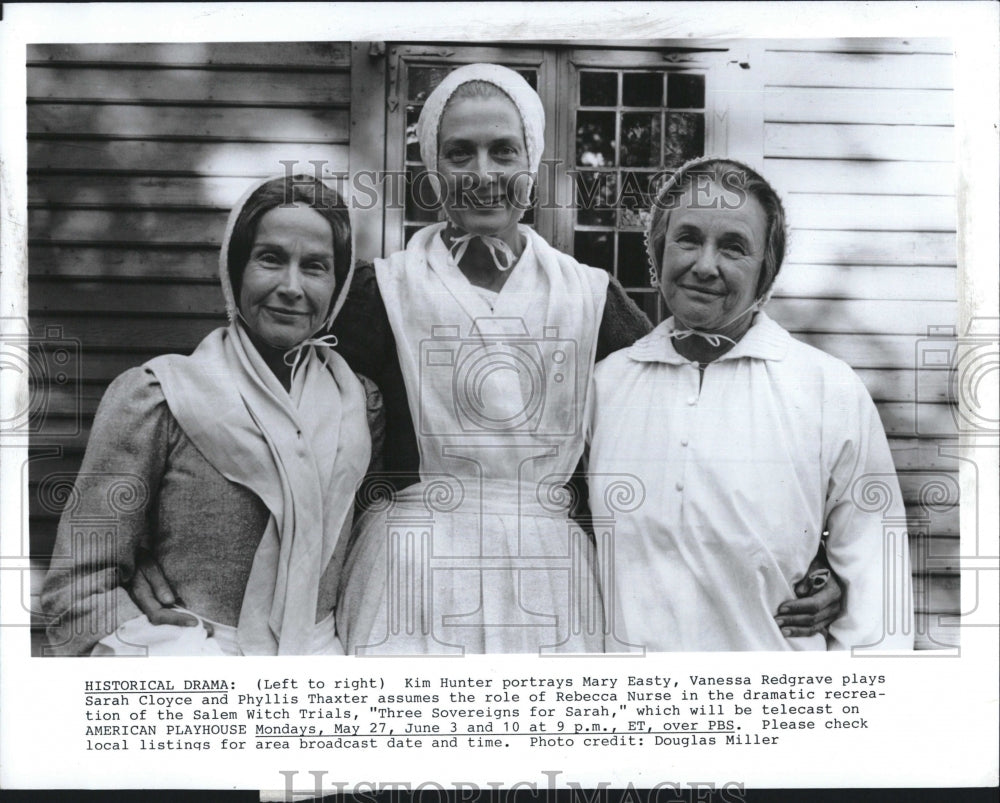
[(686, 59)]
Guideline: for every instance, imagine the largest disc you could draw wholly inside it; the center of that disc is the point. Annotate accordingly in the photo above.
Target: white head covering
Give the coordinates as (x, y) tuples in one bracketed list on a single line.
[(659, 219), (302, 450), (232, 308), (532, 114), (529, 107)]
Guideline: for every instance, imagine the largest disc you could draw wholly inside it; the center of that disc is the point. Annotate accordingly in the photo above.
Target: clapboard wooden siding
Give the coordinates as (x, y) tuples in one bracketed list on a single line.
[(137, 152), (861, 146)]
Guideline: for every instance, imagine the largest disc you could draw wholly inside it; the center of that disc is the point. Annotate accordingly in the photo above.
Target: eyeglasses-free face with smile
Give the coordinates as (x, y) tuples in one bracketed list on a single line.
[(288, 283), (484, 161), (712, 259)]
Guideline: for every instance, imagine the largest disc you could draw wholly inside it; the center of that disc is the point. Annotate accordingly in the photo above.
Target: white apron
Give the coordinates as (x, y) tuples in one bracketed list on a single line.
[(481, 555)]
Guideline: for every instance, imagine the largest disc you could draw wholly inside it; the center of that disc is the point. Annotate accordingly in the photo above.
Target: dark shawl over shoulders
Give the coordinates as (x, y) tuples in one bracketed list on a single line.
[(365, 340), (622, 323)]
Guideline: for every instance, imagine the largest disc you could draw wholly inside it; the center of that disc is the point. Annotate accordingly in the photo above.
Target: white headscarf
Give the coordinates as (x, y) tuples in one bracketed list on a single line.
[(232, 307), (529, 108)]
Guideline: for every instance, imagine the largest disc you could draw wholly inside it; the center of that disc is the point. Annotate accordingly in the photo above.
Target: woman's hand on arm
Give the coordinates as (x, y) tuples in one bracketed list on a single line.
[(154, 596), (818, 601)]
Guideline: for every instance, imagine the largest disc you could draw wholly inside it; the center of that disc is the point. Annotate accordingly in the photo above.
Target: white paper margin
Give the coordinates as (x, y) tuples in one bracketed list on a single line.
[(944, 728)]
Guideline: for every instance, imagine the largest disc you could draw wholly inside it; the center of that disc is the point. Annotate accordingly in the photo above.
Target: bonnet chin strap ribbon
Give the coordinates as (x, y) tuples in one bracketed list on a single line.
[(293, 357), (714, 339), (494, 244)]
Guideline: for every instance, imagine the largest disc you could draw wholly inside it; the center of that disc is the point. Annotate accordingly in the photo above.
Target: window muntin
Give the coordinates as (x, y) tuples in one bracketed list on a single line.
[(633, 128)]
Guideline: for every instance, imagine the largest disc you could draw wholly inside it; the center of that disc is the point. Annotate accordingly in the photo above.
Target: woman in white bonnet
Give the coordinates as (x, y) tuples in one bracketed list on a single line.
[(245, 457), (751, 445), (496, 333)]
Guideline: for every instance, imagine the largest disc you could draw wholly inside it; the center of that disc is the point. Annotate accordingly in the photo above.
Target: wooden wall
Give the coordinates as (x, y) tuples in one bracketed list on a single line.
[(136, 153), (858, 139)]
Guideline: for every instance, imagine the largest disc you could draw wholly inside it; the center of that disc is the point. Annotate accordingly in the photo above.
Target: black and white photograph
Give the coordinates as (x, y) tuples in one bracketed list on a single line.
[(635, 361), (463, 405)]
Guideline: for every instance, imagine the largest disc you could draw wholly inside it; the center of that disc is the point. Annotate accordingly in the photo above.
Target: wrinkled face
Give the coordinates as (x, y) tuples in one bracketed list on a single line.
[(288, 283), (712, 259), (484, 162)]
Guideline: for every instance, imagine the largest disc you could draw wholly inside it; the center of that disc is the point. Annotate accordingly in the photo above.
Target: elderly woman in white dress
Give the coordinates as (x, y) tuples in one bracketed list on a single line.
[(748, 444)]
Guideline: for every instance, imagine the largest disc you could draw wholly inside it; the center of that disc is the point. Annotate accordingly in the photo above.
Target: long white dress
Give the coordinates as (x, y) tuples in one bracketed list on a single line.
[(481, 555), (739, 477)]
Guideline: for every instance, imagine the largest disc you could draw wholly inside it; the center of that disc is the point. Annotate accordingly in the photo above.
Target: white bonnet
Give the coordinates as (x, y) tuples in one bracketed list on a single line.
[(232, 309), (528, 104), (665, 201)]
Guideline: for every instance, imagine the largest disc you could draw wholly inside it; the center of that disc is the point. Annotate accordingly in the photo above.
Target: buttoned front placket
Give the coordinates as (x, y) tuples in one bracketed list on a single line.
[(688, 416)]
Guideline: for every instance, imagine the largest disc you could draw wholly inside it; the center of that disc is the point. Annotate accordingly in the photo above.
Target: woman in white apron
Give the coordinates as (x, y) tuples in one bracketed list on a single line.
[(496, 334)]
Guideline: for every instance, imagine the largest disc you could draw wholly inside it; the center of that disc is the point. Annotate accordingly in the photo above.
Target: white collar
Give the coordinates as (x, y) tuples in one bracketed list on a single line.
[(764, 340)]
